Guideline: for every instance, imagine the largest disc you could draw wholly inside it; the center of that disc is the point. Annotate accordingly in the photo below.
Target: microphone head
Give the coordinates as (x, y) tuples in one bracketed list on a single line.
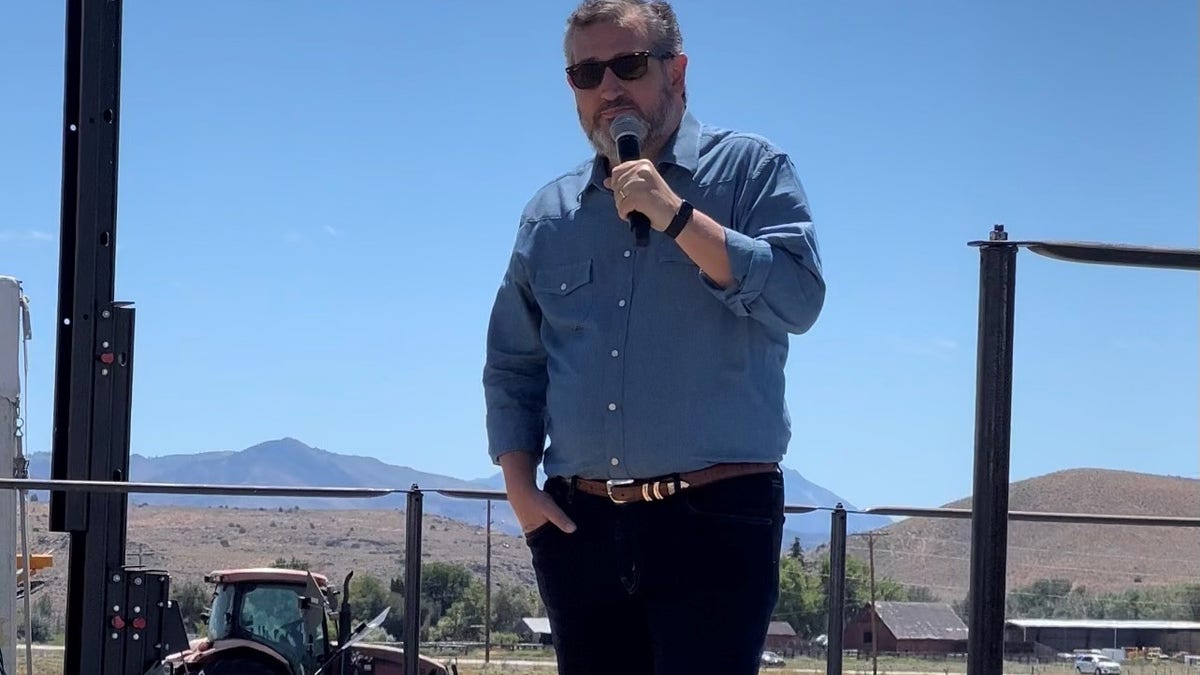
[(628, 124)]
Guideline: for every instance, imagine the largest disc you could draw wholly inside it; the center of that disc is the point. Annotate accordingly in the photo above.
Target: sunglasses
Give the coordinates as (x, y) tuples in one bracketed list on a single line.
[(627, 67)]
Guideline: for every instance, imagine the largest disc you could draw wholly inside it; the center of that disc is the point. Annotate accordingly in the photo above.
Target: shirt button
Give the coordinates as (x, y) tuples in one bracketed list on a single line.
[(614, 461), (627, 254), (620, 303), (562, 287), (615, 353), (612, 406)]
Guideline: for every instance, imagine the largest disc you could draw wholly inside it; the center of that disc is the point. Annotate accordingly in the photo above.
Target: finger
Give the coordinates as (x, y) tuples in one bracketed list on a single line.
[(624, 208), (622, 170), (608, 183), (557, 516)]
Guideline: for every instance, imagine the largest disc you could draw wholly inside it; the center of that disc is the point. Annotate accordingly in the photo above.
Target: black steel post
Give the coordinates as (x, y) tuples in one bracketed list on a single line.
[(94, 342), (487, 590), (993, 427), (837, 591), (412, 581)]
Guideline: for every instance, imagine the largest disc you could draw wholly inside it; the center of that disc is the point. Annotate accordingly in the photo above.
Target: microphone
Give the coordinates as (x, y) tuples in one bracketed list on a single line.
[(628, 131)]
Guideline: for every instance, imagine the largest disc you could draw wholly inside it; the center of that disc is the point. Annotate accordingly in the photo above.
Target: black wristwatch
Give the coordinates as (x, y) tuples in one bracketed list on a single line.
[(679, 221)]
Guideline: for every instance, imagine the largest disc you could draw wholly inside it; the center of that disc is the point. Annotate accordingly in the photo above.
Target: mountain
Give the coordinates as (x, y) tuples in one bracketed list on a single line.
[(289, 462), (1103, 558)]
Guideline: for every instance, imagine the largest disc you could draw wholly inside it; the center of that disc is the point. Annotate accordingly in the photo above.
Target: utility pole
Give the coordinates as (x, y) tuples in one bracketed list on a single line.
[(487, 591), (874, 610)]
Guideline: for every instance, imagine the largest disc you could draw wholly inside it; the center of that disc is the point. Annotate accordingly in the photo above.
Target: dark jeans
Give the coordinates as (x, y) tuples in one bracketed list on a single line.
[(686, 585)]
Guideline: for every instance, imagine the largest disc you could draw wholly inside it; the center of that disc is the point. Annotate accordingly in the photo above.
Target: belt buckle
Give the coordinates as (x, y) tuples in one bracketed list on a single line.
[(617, 482)]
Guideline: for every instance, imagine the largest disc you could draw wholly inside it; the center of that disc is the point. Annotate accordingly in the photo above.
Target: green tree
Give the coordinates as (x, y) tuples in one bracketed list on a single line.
[(801, 598), (1043, 599), (442, 585), (919, 594), (510, 604), (368, 597), (464, 619), (193, 600), (1190, 598), (41, 621)]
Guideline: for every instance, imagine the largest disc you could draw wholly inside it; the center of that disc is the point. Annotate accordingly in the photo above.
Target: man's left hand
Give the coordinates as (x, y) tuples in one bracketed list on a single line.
[(638, 186)]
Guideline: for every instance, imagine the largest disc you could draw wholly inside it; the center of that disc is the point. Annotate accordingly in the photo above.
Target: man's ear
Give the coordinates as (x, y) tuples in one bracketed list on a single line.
[(677, 67)]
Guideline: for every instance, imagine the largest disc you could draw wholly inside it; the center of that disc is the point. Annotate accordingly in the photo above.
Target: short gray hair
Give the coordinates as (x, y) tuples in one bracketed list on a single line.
[(657, 17)]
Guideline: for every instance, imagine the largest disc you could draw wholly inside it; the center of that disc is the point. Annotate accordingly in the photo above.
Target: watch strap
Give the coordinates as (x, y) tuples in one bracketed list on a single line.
[(681, 219)]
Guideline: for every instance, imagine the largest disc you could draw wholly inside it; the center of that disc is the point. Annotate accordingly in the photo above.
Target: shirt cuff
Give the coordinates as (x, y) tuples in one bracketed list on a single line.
[(749, 263), (501, 442)]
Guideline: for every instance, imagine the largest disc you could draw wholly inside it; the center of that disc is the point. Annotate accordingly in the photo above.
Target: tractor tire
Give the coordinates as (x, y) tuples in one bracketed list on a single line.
[(243, 666)]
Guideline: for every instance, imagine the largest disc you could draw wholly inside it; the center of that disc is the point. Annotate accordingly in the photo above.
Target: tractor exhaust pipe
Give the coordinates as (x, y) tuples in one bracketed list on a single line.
[(344, 617)]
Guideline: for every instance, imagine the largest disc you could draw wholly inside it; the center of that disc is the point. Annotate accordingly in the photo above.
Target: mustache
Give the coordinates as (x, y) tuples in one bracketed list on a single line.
[(618, 105)]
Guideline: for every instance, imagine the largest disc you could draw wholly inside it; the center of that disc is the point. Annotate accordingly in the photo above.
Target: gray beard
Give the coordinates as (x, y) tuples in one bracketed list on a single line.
[(656, 122)]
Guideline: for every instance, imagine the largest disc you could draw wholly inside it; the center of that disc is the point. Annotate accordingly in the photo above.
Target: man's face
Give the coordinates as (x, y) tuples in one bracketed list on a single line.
[(652, 97)]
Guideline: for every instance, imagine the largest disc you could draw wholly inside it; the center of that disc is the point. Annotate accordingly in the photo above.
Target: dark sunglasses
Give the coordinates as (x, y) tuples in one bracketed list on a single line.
[(627, 67)]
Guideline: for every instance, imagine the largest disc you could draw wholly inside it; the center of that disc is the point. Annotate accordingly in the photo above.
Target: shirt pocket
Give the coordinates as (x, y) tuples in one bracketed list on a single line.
[(565, 294)]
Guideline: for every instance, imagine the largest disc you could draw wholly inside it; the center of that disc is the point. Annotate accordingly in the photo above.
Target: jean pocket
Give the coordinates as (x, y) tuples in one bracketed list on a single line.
[(539, 533), (565, 294), (750, 500)]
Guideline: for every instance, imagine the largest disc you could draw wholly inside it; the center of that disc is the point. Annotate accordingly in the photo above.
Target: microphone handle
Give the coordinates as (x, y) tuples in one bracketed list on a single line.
[(640, 225), (628, 150)]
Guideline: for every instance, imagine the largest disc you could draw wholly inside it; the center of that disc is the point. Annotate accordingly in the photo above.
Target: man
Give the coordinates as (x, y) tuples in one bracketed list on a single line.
[(656, 370)]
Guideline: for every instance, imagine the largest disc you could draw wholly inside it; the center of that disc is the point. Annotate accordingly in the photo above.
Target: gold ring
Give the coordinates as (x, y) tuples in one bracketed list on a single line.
[(622, 193)]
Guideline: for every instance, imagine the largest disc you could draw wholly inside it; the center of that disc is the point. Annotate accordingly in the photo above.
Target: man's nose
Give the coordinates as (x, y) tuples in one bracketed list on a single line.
[(611, 86)]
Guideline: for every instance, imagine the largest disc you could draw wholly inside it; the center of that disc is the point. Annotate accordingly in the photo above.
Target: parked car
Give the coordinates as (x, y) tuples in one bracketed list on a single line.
[(1094, 664), (771, 660)]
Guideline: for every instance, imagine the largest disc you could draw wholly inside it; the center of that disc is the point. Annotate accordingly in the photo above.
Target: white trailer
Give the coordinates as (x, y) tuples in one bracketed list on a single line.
[(14, 329)]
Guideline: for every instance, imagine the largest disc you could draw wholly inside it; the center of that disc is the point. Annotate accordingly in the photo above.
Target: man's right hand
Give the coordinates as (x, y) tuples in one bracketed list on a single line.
[(531, 505), (535, 508)]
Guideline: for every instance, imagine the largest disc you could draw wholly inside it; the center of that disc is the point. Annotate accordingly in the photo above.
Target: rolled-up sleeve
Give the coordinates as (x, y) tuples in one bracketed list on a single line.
[(514, 374), (773, 251)]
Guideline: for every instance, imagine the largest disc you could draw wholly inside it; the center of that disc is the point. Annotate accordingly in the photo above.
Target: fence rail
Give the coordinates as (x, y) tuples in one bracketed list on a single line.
[(414, 515)]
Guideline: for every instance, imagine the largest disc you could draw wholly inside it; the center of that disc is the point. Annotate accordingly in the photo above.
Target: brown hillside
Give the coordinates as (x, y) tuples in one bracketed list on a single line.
[(189, 542), (936, 553)]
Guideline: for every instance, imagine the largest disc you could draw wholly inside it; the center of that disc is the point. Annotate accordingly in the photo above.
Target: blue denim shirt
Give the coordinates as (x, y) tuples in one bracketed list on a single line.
[(630, 359)]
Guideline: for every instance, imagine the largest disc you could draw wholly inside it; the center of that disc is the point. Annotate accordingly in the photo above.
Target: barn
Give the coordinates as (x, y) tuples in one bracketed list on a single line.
[(908, 628)]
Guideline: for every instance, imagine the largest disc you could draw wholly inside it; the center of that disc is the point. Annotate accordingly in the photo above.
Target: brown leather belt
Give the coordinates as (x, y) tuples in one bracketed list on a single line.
[(628, 491)]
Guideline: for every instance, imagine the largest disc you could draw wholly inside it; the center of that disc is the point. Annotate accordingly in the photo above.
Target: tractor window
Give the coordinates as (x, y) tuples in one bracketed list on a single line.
[(273, 614), (220, 620)]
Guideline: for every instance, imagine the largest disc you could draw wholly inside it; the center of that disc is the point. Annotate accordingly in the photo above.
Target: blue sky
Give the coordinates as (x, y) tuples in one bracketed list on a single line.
[(317, 201)]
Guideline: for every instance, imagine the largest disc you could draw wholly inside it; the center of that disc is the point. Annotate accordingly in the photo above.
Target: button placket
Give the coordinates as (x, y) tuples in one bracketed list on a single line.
[(614, 377)]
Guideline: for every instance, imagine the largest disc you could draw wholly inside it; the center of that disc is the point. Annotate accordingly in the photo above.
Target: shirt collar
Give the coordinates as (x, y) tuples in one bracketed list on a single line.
[(682, 150)]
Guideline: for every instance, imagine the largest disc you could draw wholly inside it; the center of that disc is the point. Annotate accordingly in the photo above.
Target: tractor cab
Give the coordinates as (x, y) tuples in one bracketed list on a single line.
[(282, 610), (270, 621), (278, 619)]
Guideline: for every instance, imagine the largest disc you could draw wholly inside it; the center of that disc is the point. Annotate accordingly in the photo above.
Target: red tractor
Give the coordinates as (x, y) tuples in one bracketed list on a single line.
[(270, 621)]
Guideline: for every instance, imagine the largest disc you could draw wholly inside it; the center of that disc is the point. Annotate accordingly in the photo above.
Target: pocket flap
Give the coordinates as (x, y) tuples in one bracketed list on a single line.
[(564, 279)]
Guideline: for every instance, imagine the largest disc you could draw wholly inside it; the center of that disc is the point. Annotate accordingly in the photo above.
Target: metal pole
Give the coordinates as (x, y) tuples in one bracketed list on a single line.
[(993, 427), (94, 342), (487, 591), (837, 591), (412, 581), (874, 609)]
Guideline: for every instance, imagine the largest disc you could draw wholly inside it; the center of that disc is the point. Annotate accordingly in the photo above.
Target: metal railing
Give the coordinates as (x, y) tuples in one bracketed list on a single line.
[(993, 416), (414, 519)]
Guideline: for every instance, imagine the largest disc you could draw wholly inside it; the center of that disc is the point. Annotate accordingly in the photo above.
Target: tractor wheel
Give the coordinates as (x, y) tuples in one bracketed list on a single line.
[(243, 666)]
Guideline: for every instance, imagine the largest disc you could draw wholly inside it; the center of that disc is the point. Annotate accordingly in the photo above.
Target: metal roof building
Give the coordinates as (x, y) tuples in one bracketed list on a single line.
[(1065, 635)]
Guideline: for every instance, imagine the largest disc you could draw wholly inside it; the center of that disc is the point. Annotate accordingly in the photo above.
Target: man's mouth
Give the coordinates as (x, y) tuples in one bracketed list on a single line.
[(610, 114)]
